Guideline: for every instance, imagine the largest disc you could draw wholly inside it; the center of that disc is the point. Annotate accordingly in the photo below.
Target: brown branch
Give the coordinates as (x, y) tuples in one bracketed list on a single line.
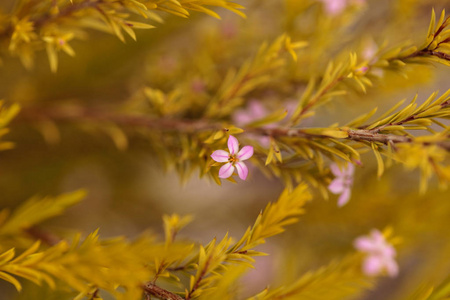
[(160, 293), (194, 126), (200, 277), (426, 52), (370, 136), (77, 114), (46, 237), (356, 135)]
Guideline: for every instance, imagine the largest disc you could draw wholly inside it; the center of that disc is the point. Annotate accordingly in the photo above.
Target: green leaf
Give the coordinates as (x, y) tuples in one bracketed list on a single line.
[(37, 210), (379, 160)]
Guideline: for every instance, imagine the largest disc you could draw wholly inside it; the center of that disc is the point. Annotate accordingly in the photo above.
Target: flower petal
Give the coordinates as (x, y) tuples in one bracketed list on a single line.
[(242, 170), (233, 144), (245, 153), (349, 170), (336, 171), (264, 141), (220, 155), (365, 244), (377, 237), (344, 197), (242, 118), (372, 265), (336, 186), (226, 170), (388, 250), (391, 267), (256, 110)]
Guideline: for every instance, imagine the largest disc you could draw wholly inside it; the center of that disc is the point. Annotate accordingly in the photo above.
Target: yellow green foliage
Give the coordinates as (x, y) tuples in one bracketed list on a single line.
[(304, 89), (339, 280), (112, 264), (6, 115), (53, 24), (36, 210)]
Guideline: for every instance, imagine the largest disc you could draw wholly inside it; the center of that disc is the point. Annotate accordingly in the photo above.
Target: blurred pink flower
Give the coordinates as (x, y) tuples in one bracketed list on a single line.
[(342, 183), (198, 86), (229, 28), (380, 254), (369, 51), (362, 70), (335, 7), (254, 111), (233, 159)]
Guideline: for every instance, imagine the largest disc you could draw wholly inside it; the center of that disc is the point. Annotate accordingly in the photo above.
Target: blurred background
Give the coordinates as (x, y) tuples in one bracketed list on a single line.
[(130, 189)]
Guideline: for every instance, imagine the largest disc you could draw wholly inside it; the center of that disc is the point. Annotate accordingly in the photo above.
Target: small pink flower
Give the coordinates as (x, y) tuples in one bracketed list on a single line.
[(369, 51), (334, 7), (380, 254), (343, 182), (362, 70), (254, 111), (233, 159), (198, 86)]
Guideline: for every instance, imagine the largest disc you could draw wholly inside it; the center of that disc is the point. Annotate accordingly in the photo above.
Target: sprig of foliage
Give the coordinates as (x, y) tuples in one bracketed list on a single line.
[(6, 115), (80, 264), (274, 218), (437, 44), (435, 49), (252, 74), (184, 130), (36, 210), (53, 24), (298, 153), (392, 129), (338, 280), (83, 266), (430, 292), (215, 259)]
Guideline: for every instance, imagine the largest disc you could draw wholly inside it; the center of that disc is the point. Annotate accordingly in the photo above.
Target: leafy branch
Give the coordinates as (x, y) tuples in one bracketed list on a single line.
[(84, 265), (435, 50), (437, 45), (214, 259), (53, 25), (324, 283), (252, 74)]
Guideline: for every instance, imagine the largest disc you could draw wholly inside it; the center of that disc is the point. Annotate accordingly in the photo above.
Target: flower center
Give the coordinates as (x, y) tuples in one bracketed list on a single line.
[(233, 159)]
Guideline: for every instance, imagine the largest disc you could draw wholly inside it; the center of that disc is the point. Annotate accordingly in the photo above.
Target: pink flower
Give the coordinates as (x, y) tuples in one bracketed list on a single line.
[(233, 159), (343, 182), (369, 51), (335, 7), (254, 111), (380, 254)]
